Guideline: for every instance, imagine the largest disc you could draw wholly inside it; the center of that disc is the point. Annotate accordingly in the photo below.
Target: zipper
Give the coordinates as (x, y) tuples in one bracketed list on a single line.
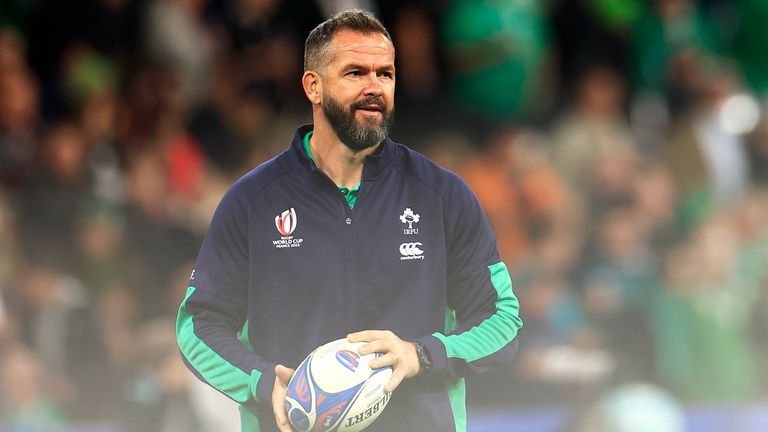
[(350, 266), (351, 263)]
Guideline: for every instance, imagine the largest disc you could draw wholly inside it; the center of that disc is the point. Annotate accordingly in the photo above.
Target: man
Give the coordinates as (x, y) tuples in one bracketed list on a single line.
[(347, 231)]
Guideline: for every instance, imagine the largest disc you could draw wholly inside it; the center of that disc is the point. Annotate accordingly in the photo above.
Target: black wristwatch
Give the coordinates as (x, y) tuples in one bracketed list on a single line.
[(425, 362)]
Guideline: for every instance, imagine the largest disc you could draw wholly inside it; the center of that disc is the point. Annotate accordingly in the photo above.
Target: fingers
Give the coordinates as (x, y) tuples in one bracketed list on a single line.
[(370, 335), (282, 377), (398, 371), (397, 377), (397, 353), (389, 359), (382, 341), (284, 374), (392, 359), (281, 420), (381, 346)]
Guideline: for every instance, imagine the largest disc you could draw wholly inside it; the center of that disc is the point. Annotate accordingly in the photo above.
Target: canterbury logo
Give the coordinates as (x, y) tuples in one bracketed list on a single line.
[(286, 222), (411, 249)]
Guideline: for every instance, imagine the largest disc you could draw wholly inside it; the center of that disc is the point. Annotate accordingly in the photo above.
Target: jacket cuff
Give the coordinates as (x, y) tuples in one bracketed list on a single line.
[(265, 385), (436, 351)]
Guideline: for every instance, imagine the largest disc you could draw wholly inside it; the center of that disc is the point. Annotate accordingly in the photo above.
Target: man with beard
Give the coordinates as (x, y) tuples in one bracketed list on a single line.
[(347, 233)]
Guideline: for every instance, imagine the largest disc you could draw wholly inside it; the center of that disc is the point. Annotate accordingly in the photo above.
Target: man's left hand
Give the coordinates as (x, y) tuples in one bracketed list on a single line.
[(398, 353)]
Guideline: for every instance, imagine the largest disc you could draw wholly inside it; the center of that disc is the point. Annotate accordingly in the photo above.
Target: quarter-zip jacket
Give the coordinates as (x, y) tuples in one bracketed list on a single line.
[(287, 265)]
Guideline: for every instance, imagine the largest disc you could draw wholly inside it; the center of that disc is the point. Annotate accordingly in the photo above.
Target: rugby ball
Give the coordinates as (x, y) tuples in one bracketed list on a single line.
[(335, 390)]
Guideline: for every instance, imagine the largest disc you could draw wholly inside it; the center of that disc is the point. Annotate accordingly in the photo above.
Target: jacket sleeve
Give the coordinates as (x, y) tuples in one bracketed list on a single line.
[(211, 328), (483, 318)]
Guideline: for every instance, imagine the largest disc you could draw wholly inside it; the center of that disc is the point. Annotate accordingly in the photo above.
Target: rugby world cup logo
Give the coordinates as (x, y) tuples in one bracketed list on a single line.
[(348, 359), (286, 222)]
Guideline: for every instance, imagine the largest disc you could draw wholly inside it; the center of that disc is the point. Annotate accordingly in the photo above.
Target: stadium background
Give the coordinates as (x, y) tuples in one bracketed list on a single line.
[(619, 147)]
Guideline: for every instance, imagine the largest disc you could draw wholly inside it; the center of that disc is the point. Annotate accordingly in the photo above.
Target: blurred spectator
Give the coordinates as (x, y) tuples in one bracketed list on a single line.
[(702, 318), (268, 35), (118, 314), (235, 118), (160, 399), (560, 358), (415, 40), (546, 281), (519, 189), (618, 281), (153, 94), (24, 405), (667, 37), (592, 139), (9, 262), (53, 27), (420, 93), (758, 152), (621, 257), (58, 322), (103, 264), (155, 129), (707, 157), (18, 112), (654, 204), (592, 32), (91, 85), (157, 242), (497, 52), (13, 50), (751, 219), (56, 194), (175, 34), (610, 180), (449, 148)]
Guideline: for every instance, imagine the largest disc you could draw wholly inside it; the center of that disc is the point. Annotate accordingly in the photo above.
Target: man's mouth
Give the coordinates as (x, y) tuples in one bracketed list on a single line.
[(371, 111), (370, 107)]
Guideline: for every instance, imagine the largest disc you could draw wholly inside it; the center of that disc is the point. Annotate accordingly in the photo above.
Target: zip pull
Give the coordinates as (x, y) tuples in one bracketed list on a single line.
[(349, 221)]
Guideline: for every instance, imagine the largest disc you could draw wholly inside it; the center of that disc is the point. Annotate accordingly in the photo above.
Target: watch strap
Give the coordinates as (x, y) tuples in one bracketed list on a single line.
[(425, 361)]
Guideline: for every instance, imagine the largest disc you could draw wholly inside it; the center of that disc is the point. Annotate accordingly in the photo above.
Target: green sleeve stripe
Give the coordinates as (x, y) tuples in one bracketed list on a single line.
[(242, 336), (450, 320), (496, 331), (216, 370), (249, 420), (457, 395), (456, 389)]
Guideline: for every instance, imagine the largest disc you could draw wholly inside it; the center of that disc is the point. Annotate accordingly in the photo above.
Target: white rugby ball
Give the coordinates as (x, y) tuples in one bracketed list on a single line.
[(334, 389)]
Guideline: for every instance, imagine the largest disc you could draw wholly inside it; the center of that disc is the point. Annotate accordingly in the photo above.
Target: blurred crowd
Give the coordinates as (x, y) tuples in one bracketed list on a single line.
[(619, 148)]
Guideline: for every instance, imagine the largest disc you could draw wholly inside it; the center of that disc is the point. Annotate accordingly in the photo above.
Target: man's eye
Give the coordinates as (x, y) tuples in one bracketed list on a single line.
[(354, 73)]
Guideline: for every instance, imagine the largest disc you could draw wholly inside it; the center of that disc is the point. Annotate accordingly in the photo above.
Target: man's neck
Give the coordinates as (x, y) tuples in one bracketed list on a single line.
[(343, 165)]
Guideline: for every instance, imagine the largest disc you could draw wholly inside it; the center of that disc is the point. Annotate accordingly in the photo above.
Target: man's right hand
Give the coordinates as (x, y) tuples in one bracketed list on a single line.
[(283, 376)]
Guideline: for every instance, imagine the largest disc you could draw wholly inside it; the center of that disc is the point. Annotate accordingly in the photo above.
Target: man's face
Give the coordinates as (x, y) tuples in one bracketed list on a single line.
[(359, 88)]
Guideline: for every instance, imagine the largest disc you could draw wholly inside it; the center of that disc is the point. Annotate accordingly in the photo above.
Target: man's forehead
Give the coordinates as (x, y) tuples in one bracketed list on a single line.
[(356, 43)]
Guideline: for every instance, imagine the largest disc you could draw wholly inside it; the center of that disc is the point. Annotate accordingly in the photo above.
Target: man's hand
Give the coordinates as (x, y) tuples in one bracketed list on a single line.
[(399, 354), (283, 376)]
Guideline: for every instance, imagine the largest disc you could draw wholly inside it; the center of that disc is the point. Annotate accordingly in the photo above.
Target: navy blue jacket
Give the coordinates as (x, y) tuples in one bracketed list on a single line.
[(286, 266)]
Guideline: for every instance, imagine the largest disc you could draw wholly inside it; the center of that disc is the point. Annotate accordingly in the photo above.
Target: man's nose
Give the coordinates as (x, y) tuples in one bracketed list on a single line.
[(373, 86)]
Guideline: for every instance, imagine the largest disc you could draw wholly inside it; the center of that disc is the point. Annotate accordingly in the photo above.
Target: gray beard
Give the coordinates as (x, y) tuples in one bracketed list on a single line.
[(356, 136)]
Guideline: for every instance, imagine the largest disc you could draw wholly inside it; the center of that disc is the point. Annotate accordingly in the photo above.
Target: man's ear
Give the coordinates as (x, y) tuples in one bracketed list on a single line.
[(313, 87)]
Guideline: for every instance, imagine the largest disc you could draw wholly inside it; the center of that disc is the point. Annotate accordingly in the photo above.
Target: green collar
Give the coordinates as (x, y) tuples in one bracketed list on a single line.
[(349, 194)]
